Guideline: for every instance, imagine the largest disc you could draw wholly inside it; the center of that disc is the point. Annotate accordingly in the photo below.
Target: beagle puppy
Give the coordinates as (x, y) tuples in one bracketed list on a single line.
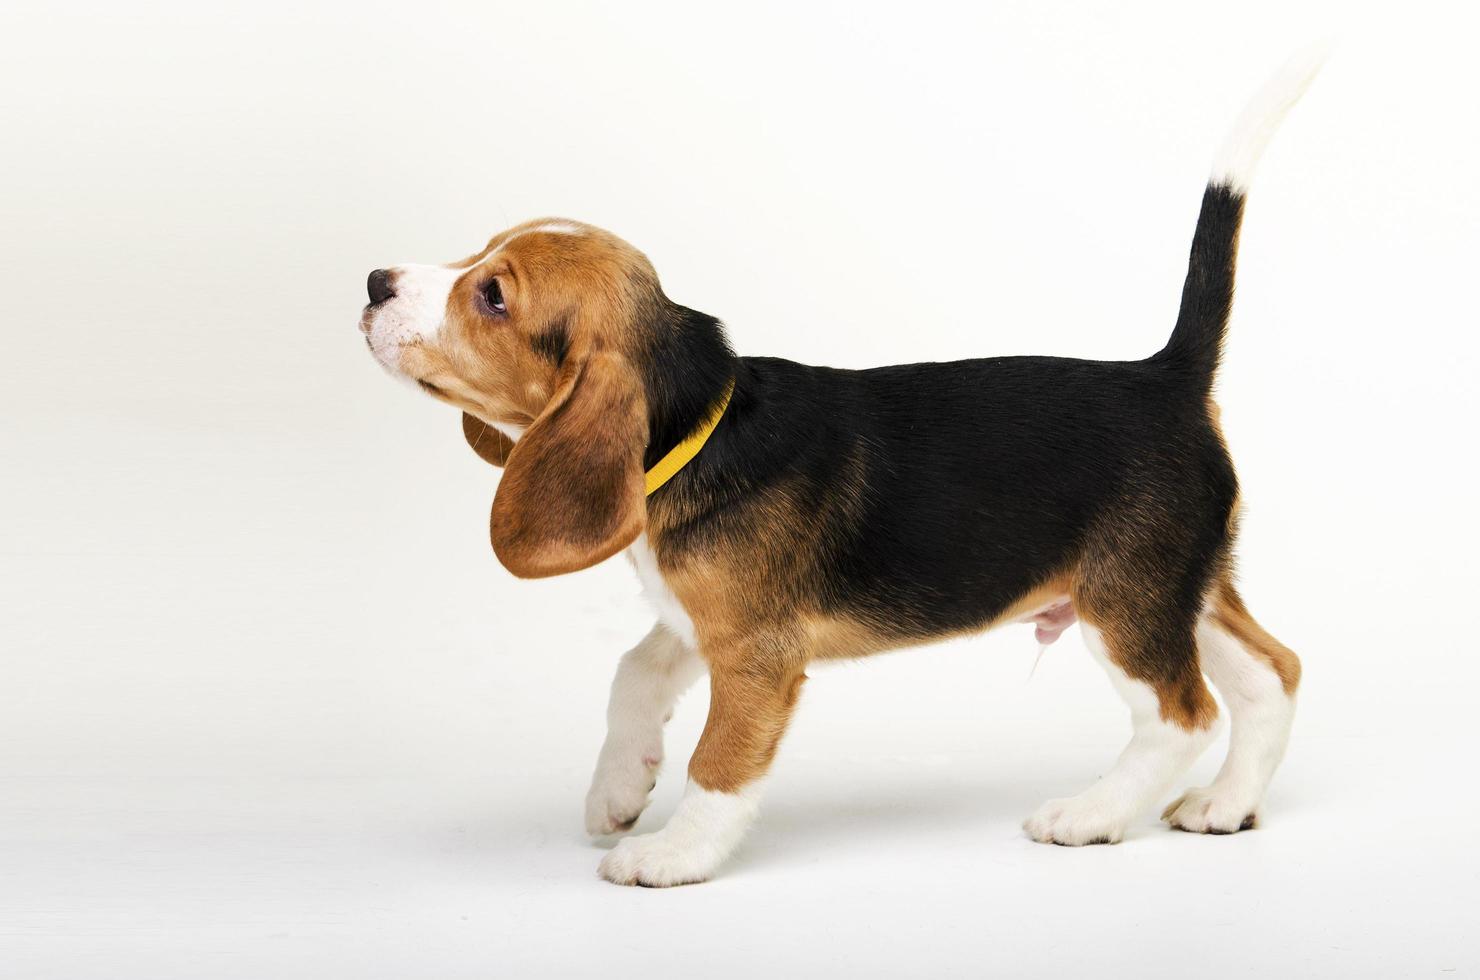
[(780, 514)]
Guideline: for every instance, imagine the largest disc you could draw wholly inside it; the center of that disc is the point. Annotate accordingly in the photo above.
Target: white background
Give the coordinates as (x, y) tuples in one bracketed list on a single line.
[(270, 708)]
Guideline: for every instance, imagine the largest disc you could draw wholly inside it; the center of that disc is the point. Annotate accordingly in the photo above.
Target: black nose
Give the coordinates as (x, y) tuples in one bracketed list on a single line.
[(379, 286)]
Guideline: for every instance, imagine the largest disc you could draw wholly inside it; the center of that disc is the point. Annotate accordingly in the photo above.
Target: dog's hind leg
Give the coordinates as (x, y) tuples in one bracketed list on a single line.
[(1173, 718), (1138, 596), (1257, 677)]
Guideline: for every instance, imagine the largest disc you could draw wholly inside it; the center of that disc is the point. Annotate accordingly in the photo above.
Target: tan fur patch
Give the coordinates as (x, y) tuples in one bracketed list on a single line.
[(836, 638), (1182, 695), (491, 445), (1229, 612), (1121, 588), (748, 713)]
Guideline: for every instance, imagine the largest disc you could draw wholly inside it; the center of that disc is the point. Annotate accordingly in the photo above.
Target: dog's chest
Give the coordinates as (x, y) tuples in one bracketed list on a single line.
[(671, 612)]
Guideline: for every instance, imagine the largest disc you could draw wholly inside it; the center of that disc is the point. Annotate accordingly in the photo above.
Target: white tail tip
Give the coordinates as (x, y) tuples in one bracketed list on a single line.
[(1234, 165)]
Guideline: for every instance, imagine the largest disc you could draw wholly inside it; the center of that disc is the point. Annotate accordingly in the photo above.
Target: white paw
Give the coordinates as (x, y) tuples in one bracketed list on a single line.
[(1076, 821), (1212, 810), (619, 792), (658, 861)]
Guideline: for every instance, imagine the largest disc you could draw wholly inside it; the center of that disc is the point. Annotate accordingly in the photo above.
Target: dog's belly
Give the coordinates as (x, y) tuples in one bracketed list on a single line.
[(1050, 614)]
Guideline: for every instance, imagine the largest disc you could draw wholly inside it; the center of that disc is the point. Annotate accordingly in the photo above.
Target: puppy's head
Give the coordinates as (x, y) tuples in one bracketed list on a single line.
[(552, 340)]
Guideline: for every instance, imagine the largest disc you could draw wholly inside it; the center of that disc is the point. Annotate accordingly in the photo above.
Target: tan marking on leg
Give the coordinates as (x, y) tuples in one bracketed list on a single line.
[(1159, 662), (1229, 613), (1146, 637), (748, 713), (1263, 710), (1160, 750)]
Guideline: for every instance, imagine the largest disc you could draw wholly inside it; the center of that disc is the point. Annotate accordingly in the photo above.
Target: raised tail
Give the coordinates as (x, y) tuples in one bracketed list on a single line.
[(1207, 295)]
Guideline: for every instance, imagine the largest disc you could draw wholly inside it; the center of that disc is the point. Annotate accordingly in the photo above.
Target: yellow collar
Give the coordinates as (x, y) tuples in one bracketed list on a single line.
[(678, 457)]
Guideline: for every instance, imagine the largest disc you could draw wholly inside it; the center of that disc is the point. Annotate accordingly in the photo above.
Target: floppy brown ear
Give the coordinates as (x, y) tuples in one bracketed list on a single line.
[(487, 442), (572, 494)]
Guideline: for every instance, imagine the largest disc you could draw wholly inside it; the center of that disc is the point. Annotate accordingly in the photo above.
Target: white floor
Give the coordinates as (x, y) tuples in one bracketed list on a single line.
[(373, 795)]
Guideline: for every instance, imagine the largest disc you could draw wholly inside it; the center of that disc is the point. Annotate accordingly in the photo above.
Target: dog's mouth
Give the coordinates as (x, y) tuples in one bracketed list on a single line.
[(388, 352)]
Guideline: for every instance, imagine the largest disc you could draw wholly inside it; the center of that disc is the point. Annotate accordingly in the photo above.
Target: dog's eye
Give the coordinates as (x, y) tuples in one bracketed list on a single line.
[(495, 297)]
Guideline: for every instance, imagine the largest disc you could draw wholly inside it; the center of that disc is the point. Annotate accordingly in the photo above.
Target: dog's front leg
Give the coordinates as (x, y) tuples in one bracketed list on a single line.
[(752, 694), (650, 679)]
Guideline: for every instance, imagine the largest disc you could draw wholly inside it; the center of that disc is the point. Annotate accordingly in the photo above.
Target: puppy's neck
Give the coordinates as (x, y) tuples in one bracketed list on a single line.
[(689, 368)]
